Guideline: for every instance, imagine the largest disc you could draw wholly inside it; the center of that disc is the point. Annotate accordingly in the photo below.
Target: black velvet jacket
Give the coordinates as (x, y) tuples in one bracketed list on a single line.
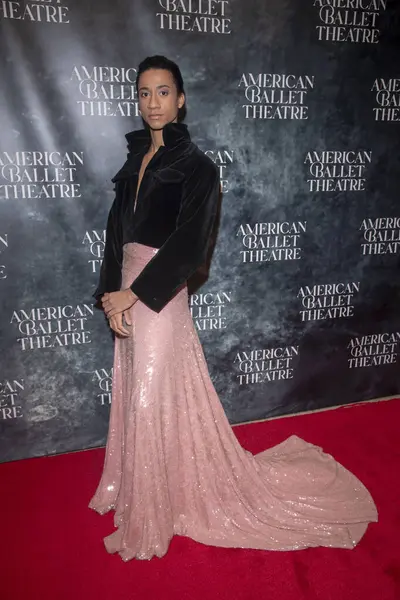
[(175, 212)]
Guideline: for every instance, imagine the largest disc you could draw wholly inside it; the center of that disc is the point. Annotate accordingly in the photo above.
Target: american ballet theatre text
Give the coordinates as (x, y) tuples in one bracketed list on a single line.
[(353, 21), (265, 365), (39, 11), (3, 249), (208, 310), (337, 170), (40, 174), (276, 95), (270, 242), (373, 350), (53, 326), (198, 16), (380, 236), (328, 301), (10, 404), (103, 380), (387, 98), (105, 91), (95, 241)]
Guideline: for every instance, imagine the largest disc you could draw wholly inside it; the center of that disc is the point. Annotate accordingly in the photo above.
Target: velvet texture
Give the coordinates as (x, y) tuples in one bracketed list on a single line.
[(175, 212)]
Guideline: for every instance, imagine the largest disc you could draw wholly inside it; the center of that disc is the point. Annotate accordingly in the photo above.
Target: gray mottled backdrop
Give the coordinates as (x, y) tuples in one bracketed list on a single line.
[(298, 103)]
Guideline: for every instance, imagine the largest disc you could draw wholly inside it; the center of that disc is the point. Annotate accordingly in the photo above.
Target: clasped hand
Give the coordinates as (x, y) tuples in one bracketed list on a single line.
[(116, 305)]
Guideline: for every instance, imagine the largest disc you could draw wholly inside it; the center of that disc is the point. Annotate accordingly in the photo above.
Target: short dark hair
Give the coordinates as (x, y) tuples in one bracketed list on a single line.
[(162, 62)]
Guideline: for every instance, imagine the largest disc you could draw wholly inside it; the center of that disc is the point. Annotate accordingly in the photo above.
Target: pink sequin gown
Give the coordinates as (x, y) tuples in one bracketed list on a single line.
[(173, 465)]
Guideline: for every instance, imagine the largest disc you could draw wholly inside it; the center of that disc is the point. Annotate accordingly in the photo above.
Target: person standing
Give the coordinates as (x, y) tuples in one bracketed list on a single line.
[(173, 465)]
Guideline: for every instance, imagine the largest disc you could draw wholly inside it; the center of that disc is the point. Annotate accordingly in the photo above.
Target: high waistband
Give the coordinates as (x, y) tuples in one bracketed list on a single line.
[(137, 250)]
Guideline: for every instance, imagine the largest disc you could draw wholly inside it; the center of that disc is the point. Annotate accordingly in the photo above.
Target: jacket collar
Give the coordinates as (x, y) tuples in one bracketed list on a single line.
[(173, 134)]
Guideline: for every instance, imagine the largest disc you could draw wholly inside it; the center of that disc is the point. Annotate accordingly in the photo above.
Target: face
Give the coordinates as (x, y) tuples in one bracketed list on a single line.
[(159, 100)]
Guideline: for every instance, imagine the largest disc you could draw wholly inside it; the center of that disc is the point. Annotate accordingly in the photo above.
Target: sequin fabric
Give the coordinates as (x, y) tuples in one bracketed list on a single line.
[(173, 465)]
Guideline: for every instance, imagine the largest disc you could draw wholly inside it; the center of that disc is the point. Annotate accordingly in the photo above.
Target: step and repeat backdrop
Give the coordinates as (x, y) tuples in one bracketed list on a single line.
[(298, 104)]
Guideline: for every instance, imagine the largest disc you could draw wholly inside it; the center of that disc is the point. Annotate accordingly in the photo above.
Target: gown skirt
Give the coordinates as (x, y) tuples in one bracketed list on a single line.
[(173, 465)]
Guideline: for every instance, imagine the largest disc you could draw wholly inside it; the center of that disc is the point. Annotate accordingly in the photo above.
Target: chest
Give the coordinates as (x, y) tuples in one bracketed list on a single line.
[(154, 195), (155, 175), (146, 159)]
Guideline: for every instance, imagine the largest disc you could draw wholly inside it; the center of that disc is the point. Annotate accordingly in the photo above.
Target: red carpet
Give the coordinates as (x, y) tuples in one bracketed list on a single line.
[(52, 548)]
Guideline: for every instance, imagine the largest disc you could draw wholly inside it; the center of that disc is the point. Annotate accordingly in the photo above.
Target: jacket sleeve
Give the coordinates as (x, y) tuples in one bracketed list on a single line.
[(186, 248), (111, 267)]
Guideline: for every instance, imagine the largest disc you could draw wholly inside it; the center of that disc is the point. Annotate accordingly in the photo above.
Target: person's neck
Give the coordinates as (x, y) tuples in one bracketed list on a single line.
[(156, 140)]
